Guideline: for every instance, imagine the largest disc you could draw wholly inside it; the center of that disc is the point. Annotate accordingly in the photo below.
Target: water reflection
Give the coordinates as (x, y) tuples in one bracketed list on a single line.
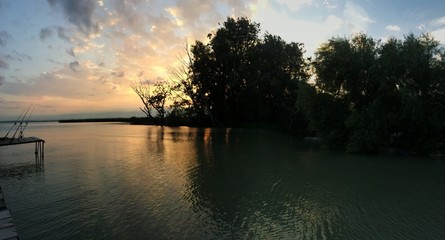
[(20, 171), (247, 187), (153, 182), (19, 157)]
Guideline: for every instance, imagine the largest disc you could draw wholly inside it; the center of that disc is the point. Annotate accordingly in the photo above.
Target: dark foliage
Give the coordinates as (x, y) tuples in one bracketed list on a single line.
[(239, 78), (380, 95), (364, 96)]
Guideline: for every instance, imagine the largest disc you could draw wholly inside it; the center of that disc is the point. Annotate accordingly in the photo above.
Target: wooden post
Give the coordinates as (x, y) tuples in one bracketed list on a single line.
[(43, 151)]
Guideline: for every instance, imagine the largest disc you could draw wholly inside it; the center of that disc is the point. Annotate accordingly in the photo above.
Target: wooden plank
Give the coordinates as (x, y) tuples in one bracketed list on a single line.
[(8, 230), (15, 141), (4, 213)]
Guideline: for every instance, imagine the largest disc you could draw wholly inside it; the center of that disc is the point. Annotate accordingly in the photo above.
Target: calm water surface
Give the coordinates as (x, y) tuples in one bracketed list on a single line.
[(118, 181)]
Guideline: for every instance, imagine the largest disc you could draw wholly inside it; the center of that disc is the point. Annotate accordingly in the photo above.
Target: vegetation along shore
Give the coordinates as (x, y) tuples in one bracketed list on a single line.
[(357, 93)]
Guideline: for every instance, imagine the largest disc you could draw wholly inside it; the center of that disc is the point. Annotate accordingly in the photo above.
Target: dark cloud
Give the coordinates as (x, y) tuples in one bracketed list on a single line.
[(51, 60), (9, 57), (74, 66), (61, 33), (118, 74), (21, 56), (79, 13), (45, 33), (5, 37), (2, 80), (16, 56), (3, 64), (71, 52)]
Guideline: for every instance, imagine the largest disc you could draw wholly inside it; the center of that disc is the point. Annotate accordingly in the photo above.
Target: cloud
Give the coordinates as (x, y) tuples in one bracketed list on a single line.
[(64, 91), (21, 56), (136, 36), (439, 35), (295, 5), (330, 4), (16, 56), (393, 28), (2, 80), (45, 33), (356, 17), (310, 33), (71, 52), (62, 33), (79, 13), (149, 36), (119, 74), (74, 66), (421, 27), (5, 37), (3, 64), (436, 27), (60, 83), (438, 22)]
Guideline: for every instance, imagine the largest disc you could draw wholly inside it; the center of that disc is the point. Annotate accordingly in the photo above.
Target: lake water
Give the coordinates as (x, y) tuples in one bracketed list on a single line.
[(118, 181)]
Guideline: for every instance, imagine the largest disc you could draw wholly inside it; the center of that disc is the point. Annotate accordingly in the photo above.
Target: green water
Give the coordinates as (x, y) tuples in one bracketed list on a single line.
[(118, 181)]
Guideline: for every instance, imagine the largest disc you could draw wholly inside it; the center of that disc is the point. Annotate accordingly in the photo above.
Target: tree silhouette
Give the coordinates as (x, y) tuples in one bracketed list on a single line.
[(238, 78), (385, 95), (153, 97)]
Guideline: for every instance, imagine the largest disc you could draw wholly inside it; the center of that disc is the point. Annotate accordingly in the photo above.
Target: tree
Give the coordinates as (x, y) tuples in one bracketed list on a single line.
[(189, 100), (421, 120), (389, 94), (346, 69), (279, 68), (221, 68), (239, 78), (153, 97), (326, 115)]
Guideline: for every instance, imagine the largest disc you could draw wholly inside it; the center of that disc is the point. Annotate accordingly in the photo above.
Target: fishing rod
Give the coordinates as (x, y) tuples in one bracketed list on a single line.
[(15, 123), (26, 124), (21, 122)]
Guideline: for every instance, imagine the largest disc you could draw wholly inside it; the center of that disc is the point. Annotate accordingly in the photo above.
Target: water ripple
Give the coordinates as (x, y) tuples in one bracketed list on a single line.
[(186, 183)]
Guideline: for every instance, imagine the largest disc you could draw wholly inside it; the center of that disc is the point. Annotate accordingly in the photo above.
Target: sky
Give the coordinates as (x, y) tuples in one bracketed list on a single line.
[(77, 58)]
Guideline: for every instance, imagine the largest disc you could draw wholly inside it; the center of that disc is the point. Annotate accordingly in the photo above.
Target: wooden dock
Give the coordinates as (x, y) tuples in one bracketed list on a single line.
[(24, 140), (8, 230), (39, 143), (7, 227)]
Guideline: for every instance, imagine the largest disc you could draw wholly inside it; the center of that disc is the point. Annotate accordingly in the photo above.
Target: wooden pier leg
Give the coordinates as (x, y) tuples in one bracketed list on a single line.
[(39, 153), (43, 152)]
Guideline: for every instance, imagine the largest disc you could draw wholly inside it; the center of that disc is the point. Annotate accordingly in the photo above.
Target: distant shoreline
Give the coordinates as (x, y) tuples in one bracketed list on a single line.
[(129, 120), (30, 121)]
